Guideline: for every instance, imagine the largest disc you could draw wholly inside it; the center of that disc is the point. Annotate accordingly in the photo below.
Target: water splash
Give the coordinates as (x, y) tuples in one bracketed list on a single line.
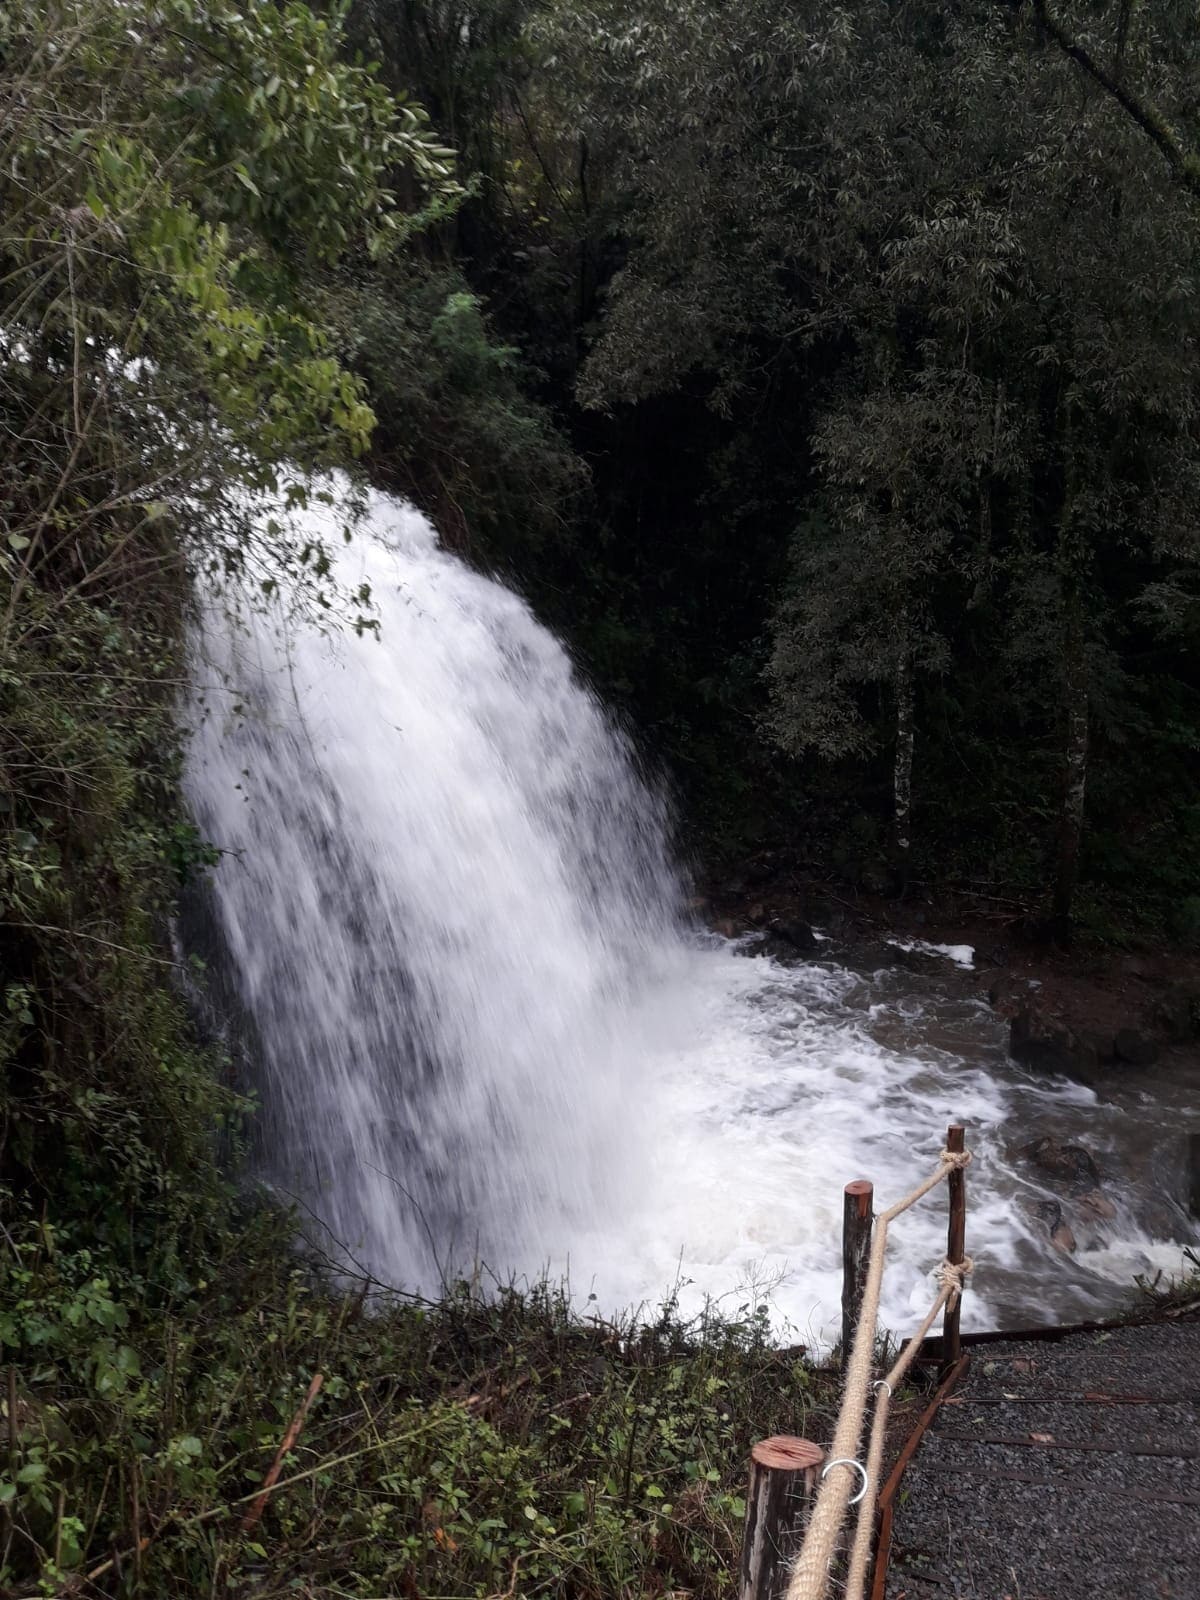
[(451, 929), (446, 884)]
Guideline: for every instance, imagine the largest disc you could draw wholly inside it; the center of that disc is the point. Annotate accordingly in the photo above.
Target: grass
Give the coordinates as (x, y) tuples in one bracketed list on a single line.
[(487, 1444)]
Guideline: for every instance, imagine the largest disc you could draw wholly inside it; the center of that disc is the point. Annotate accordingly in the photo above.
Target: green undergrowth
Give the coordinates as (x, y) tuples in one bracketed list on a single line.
[(488, 1444), (1171, 1295)]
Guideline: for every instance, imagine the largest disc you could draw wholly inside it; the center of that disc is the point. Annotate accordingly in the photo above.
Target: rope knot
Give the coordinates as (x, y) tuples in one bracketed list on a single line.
[(955, 1158), (952, 1275)]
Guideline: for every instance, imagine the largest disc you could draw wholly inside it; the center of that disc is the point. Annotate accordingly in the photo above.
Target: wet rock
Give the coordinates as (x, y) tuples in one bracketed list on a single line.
[(1061, 1237), (914, 960), (1177, 1012), (737, 884), (1098, 1203), (1193, 1173), (1134, 1048), (1067, 1164), (1103, 1044), (1050, 1046), (1002, 992), (823, 913), (1007, 993), (795, 933)]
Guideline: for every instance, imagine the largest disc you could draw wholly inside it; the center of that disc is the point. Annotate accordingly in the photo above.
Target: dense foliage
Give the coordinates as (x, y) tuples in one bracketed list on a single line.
[(827, 374), (188, 193), (875, 327), (490, 1444)]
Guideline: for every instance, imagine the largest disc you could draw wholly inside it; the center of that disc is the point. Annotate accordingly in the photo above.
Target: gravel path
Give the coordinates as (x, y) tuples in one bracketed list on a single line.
[(1059, 1471)]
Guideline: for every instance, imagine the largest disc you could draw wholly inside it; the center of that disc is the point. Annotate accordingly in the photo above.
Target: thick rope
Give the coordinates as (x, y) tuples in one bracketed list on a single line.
[(810, 1575), (950, 1277)]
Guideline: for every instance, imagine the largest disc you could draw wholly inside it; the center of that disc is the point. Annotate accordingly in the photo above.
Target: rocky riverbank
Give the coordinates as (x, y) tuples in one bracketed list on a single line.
[(1070, 1009), (1103, 1016)]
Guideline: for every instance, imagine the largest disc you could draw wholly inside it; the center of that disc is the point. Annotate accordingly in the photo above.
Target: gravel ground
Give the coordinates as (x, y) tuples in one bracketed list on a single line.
[(1059, 1471)]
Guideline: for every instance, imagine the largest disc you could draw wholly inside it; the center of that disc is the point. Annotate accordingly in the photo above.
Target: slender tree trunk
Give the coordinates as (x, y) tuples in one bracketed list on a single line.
[(902, 771), (1075, 763), (1075, 696)]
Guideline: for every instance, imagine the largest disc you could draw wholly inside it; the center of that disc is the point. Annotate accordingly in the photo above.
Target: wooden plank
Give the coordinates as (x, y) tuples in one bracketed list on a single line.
[(1050, 1332)]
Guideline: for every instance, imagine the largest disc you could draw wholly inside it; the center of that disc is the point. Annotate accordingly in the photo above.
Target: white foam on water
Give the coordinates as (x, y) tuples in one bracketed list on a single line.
[(451, 931), (962, 955)]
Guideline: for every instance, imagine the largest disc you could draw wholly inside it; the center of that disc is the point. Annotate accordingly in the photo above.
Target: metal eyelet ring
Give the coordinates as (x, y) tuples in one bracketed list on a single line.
[(849, 1461)]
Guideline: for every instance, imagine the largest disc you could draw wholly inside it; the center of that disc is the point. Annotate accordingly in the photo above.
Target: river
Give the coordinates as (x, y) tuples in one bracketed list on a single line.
[(451, 942)]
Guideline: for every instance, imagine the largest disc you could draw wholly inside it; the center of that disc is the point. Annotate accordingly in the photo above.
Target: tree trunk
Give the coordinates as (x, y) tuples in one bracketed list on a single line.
[(1075, 763), (902, 772), (1075, 693)]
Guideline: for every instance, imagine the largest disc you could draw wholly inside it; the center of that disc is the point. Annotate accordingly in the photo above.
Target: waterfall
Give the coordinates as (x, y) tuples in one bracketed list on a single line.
[(445, 885), (448, 934)]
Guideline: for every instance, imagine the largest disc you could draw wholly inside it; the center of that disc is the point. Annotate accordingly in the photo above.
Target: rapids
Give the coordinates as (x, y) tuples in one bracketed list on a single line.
[(452, 944)]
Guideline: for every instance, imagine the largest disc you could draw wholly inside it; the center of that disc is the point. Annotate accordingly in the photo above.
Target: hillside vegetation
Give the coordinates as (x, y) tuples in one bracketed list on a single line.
[(827, 376)]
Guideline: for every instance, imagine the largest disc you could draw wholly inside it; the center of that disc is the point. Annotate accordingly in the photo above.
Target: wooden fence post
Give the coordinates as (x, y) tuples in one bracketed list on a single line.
[(956, 1240), (857, 1219), (785, 1473)]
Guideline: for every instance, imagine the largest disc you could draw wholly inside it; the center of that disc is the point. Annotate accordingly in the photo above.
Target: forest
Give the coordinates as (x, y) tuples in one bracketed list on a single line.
[(824, 375)]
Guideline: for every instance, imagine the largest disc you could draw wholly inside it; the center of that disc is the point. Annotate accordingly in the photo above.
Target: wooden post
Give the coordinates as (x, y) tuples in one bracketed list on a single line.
[(785, 1474), (956, 1240), (857, 1219)]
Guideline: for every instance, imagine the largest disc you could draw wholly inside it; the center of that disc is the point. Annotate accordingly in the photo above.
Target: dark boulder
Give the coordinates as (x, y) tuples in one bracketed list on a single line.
[(1193, 1174), (1001, 991), (1134, 1048), (795, 933), (1067, 1164), (1038, 1041), (1178, 1012)]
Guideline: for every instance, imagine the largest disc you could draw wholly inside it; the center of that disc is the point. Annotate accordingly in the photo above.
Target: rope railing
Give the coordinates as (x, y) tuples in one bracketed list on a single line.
[(843, 1472)]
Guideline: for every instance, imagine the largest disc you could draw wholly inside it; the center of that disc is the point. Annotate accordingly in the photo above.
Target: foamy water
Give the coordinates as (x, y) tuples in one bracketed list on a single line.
[(451, 938)]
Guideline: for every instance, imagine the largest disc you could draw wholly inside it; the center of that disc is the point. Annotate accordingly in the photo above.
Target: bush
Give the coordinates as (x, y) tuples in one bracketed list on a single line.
[(490, 1443)]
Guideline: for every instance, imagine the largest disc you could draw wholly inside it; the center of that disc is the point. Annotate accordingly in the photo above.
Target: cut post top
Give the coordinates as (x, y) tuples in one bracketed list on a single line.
[(783, 1452), (861, 1190)]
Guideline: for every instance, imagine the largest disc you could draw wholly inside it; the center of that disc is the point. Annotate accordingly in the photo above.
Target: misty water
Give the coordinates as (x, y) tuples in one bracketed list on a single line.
[(454, 951)]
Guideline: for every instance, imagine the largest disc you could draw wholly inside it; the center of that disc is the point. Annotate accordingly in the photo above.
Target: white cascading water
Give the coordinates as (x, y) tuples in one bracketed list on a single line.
[(483, 1031)]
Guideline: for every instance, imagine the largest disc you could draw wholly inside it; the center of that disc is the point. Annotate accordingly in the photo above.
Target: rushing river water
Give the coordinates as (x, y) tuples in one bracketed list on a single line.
[(453, 940)]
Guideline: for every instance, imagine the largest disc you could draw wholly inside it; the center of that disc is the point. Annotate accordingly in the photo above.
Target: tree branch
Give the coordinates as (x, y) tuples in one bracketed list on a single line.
[(1184, 163)]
